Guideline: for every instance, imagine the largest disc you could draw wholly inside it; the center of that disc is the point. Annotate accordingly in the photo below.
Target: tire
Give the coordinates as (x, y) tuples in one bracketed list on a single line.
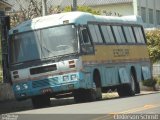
[(137, 88), (41, 101), (83, 96), (87, 95), (98, 93), (127, 89)]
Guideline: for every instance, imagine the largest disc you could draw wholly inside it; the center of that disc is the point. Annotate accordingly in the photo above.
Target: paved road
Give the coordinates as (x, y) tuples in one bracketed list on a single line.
[(99, 110)]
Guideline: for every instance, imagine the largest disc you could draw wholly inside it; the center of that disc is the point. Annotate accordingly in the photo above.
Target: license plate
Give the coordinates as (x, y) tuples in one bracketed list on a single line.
[(46, 91), (71, 87)]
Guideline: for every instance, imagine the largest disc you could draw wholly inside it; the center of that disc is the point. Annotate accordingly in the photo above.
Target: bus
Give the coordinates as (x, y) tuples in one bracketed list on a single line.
[(77, 52)]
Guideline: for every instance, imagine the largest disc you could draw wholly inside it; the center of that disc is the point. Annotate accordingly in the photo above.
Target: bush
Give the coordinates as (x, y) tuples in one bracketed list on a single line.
[(1, 76), (153, 42), (149, 82), (157, 80)]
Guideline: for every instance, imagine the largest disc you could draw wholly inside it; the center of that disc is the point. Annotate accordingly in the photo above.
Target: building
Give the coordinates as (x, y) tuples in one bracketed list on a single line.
[(148, 9), (5, 6)]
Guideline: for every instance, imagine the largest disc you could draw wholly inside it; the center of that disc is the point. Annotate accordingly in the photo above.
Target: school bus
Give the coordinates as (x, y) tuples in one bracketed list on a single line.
[(77, 52)]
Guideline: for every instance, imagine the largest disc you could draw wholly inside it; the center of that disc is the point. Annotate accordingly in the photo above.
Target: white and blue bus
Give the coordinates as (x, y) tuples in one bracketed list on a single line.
[(80, 53)]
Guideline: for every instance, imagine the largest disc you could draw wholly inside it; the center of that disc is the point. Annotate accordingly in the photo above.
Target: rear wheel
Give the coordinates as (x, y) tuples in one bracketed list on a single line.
[(90, 94), (127, 89), (41, 101)]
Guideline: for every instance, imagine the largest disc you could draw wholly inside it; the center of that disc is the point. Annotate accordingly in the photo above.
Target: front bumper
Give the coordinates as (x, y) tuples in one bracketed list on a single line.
[(50, 85)]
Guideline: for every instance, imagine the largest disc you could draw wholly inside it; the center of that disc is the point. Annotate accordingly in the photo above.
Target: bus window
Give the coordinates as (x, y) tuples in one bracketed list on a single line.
[(129, 35), (107, 33), (86, 38), (95, 33), (139, 34), (119, 34), (86, 45)]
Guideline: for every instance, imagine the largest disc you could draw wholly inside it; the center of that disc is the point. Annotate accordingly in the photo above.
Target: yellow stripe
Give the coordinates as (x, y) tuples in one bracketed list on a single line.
[(111, 115), (118, 53)]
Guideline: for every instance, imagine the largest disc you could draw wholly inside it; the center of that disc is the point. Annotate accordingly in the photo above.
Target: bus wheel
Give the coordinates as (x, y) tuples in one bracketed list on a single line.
[(83, 95), (41, 101), (127, 89), (97, 91)]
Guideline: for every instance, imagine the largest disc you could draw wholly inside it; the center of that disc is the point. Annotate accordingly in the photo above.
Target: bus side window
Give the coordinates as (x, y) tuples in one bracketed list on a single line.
[(119, 34), (107, 33), (139, 34), (86, 45), (95, 33), (129, 34), (86, 38)]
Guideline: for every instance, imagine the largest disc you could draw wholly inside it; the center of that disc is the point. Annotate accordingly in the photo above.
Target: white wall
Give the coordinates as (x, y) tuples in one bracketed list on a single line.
[(122, 9)]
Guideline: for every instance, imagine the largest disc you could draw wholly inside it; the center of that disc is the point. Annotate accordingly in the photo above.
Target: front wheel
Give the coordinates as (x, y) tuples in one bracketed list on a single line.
[(89, 95), (41, 101)]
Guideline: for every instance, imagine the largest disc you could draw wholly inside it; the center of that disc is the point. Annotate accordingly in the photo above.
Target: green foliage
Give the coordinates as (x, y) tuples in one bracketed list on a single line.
[(1, 77), (153, 41), (157, 79), (149, 82), (83, 9)]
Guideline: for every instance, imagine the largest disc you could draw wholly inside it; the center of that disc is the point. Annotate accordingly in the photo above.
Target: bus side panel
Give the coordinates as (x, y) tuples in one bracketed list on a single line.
[(111, 76)]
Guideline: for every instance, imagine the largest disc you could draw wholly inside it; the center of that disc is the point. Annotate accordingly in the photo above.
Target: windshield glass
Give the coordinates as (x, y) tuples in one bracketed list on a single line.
[(44, 43)]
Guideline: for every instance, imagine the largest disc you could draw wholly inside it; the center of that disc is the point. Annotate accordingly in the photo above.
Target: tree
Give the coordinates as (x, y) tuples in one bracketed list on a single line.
[(83, 9), (153, 42), (32, 10)]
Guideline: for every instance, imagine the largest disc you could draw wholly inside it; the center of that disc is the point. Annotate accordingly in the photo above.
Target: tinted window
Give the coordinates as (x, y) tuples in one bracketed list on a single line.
[(119, 34), (129, 34), (95, 33), (139, 35), (107, 33)]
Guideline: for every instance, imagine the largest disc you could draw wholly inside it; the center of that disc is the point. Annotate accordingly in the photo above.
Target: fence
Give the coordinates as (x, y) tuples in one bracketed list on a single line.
[(156, 70)]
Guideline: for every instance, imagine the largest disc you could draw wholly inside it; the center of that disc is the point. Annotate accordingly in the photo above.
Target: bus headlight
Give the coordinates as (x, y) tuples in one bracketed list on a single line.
[(25, 86), (65, 78), (18, 87), (74, 77)]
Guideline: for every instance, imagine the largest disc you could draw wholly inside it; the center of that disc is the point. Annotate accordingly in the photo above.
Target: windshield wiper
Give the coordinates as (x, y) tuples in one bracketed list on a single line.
[(50, 51), (61, 57)]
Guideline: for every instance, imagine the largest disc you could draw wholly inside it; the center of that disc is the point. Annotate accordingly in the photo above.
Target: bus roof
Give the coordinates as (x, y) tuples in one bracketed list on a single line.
[(71, 17)]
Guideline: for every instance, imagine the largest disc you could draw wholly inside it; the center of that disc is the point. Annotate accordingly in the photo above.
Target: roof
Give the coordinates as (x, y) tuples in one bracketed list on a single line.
[(73, 17), (64, 3)]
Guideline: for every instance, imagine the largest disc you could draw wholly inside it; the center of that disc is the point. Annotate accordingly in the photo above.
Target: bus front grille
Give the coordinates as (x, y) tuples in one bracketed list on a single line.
[(45, 82), (43, 69)]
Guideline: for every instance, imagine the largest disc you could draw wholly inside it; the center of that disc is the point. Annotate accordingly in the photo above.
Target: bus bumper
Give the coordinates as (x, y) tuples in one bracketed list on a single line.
[(50, 85)]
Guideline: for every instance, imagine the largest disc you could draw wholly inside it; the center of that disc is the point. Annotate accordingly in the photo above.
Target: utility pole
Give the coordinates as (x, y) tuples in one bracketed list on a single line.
[(44, 7), (74, 6)]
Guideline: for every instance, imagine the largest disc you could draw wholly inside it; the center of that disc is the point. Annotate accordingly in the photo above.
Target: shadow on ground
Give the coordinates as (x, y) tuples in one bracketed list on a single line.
[(17, 106)]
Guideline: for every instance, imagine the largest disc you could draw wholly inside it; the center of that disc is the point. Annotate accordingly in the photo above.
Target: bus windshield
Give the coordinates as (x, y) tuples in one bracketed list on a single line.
[(43, 43)]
